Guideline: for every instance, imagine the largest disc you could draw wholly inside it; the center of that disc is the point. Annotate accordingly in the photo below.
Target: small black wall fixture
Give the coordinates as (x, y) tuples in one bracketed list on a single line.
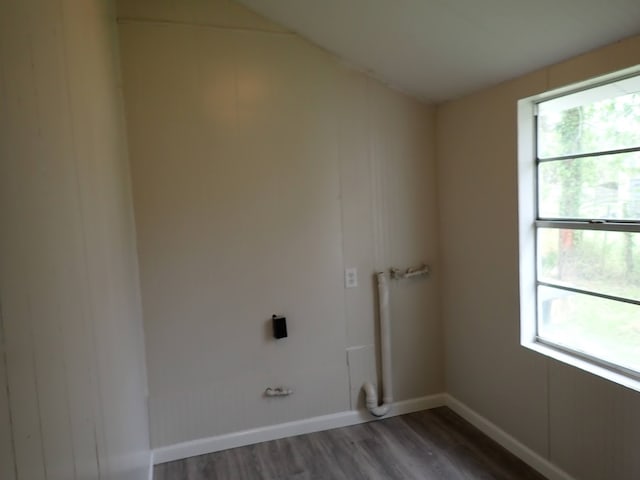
[(279, 326)]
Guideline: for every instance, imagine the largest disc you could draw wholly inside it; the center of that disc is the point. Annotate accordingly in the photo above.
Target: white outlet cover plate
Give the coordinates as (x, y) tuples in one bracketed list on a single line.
[(351, 277)]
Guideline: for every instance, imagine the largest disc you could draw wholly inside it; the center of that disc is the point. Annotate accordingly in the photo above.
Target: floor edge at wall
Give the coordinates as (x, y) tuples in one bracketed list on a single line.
[(272, 432), (524, 453)]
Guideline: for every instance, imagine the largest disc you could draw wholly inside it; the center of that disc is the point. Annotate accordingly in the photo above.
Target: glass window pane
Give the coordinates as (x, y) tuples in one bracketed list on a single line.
[(602, 262), (606, 187), (601, 328), (595, 120)]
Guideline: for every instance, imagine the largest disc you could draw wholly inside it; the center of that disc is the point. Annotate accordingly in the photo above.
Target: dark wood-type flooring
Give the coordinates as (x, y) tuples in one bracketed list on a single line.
[(432, 444)]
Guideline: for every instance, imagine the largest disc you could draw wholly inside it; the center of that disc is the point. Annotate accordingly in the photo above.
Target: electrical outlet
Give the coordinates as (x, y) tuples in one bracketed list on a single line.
[(351, 277)]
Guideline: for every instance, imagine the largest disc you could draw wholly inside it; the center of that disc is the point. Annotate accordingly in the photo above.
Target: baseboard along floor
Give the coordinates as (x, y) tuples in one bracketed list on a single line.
[(436, 443)]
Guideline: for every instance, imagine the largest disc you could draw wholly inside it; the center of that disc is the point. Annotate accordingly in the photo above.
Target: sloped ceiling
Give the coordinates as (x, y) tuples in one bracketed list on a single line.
[(441, 49)]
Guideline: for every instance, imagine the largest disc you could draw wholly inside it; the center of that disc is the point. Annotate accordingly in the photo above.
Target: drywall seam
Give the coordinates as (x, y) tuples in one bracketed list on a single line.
[(272, 432), (526, 454)]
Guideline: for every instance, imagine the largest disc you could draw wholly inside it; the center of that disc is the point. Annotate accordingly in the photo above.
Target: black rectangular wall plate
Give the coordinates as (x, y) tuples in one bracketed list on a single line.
[(279, 326)]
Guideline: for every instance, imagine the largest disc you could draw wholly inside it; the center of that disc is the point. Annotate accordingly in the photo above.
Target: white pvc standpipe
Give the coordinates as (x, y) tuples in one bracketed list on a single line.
[(385, 354)]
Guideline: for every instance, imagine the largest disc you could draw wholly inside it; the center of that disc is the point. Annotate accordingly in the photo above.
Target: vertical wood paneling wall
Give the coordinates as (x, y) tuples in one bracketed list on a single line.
[(72, 378), (588, 426), (261, 169)]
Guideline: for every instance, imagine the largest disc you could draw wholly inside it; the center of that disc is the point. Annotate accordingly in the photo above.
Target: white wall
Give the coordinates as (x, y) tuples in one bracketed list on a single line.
[(261, 169), (72, 395), (586, 425)]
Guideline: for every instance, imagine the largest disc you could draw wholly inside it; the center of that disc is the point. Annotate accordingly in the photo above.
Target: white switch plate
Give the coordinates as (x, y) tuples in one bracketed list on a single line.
[(351, 277)]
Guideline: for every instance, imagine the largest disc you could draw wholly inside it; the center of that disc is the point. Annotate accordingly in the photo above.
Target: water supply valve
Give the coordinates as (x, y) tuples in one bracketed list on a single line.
[(277, 392)]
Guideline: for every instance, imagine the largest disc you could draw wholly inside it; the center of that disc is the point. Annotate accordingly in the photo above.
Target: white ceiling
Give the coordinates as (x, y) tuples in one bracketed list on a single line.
[(441, 49)]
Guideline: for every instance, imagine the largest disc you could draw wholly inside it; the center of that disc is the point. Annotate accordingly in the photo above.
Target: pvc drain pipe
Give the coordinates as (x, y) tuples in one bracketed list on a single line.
[(385, 354)]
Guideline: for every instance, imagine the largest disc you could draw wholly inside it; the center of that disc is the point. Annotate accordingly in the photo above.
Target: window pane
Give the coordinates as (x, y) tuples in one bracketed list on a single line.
[(601, 328), (606, 187), (603, 262), (600, 119)]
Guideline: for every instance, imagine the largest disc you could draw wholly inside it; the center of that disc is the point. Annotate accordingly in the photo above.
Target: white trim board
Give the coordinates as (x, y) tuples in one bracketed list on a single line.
[(151, 464), (354, 417), (524, 453), (272, 432)]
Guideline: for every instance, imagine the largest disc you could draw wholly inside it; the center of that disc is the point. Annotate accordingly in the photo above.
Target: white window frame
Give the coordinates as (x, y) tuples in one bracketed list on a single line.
[(527, 211)]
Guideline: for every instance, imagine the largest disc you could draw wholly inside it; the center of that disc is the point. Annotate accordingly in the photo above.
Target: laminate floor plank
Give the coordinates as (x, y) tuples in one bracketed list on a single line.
[(355, 455), (433, 444), (472, 447), (418, 449)]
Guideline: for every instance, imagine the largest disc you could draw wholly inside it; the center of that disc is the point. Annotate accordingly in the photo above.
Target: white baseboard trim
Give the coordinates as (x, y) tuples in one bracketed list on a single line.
[(282, 430), (354, 417), (411, 405), (536, 461), (151, 464)]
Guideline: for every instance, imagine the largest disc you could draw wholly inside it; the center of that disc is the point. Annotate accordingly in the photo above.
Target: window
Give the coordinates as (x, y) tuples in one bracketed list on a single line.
[(579, 189)]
